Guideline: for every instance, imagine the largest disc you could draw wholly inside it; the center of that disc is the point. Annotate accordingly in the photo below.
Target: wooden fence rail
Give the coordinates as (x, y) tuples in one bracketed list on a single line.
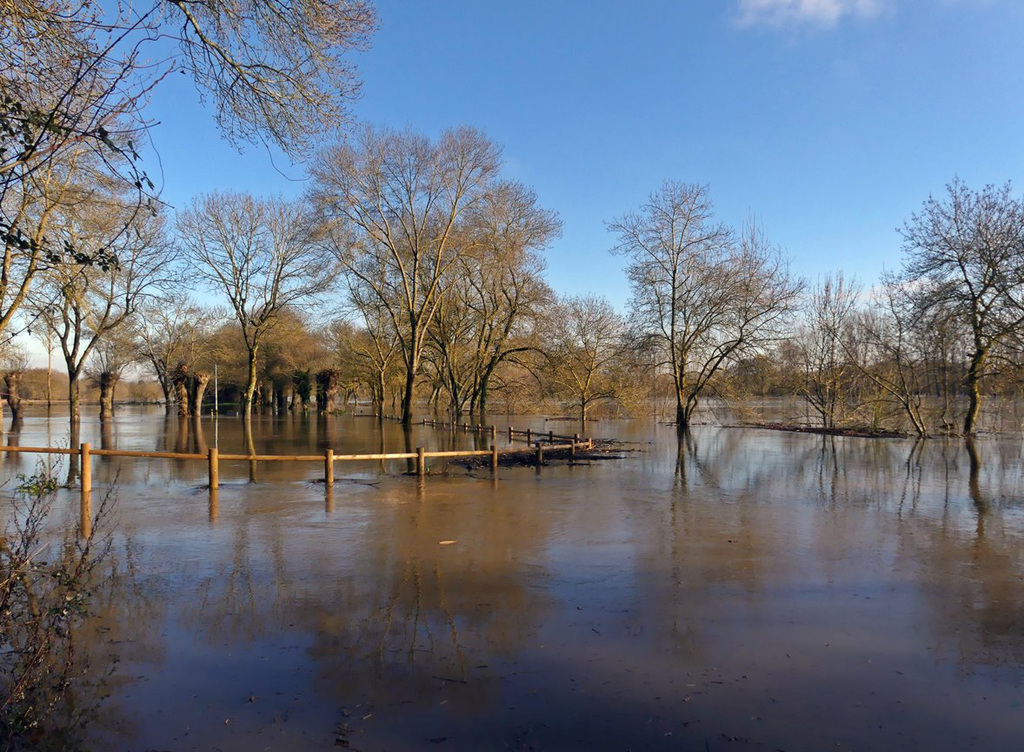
[(529, 434), (213, 458)]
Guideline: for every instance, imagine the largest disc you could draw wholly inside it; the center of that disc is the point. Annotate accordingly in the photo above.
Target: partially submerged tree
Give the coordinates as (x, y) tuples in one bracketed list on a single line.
[(111, 358), (292, 350), (395, 202), (891, 351), (262, 255), (172, 329), (583, 342), (702, 296), (964, 260), (13, 364), (84, 304), (503, 288), (828, 368)]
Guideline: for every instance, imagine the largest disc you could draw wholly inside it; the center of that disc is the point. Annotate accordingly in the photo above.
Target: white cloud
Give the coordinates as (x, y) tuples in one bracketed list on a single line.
[(815, 12)]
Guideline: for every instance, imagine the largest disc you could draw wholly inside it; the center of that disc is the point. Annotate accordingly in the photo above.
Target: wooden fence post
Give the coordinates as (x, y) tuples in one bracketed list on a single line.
[(86, 502), (214, 464), (494, 432), (421, 462), (529, 436), (329, 467), (494, 459), (511, 431), (551, 437), (540, 454)]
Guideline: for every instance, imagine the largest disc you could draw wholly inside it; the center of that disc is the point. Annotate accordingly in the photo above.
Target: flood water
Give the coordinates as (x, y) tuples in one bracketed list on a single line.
[(746, 589)]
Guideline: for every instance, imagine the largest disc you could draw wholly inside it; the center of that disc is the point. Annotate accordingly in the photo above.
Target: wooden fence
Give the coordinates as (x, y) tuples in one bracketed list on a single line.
[(213, 457), (529, 434)]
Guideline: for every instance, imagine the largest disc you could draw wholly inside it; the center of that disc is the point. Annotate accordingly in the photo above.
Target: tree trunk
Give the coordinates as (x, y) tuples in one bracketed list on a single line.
[(250, 385), (410, 382), (108, 381), (74, 396), (250, 445), (166, 387), (326, 388), (106, 434), (13, 381), (196, 391), (973, 383), (180, 382), (481, 402)]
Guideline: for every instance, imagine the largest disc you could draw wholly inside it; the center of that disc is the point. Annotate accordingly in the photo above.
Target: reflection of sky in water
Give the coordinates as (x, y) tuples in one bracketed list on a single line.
[(784, 589)]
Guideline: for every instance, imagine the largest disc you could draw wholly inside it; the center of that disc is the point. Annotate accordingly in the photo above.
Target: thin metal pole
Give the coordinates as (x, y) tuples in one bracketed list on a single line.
[(49, 365), (216, 408)]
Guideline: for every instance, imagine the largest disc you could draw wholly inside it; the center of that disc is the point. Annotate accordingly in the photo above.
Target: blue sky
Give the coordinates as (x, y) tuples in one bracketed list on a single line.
[(828, 121)]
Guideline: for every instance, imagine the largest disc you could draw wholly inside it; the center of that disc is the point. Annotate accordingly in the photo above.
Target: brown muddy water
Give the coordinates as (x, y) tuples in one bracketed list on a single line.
[(743, 590)]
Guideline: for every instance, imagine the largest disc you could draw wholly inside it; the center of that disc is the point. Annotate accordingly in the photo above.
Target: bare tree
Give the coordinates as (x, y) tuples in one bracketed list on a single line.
[(13, 364), (702, 297), (74, 78), (396, 201), (261, 255), (111, 358), (584, 340), (964, 258), (828, 371), (505, 292), (889, 349), (171, 329), (84, 304)]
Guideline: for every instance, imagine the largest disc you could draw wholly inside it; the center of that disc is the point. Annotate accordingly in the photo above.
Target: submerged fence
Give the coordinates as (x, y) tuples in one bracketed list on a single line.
[(213, 457)]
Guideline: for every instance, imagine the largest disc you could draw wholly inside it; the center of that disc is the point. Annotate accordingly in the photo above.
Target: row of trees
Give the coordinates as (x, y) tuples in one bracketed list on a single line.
[(441, 281), (84, 242)]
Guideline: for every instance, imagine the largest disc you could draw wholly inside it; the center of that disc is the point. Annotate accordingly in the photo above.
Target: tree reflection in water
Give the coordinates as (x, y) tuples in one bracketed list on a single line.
[(792, 590)]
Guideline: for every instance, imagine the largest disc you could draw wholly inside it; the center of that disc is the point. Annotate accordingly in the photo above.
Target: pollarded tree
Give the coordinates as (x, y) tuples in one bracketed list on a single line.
[(262, 255), (171, 329), (702, 296), (395, 203), (111, 358), (13, 364), (965, 259), (292, 351)]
